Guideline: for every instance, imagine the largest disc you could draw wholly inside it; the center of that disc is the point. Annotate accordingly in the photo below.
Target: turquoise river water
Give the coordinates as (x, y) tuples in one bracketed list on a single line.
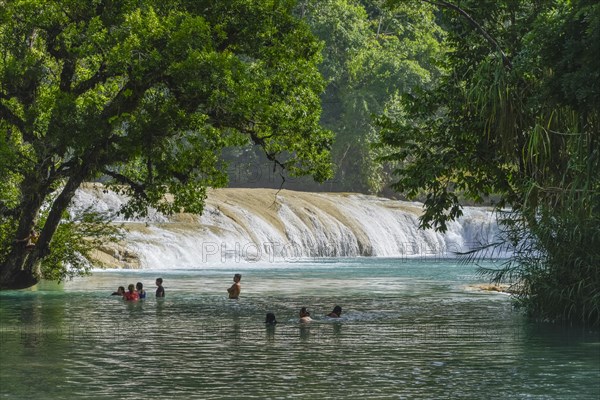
[(410, 329)]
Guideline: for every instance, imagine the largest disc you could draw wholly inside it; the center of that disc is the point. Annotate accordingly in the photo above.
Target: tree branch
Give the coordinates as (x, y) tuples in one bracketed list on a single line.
[(7, 115), (66, 75), (270, 156), (125, 101), (261, 142), (137, 188), (57, 209), (93, 81), (440, 3), (6, 211)]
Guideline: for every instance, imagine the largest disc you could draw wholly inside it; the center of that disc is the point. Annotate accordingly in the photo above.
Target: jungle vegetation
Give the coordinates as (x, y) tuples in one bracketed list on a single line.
[(145, 95), (480, 101), (516, 114)]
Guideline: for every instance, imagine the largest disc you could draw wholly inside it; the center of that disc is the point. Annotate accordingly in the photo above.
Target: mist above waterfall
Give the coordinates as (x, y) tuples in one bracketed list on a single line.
[(265, 225)]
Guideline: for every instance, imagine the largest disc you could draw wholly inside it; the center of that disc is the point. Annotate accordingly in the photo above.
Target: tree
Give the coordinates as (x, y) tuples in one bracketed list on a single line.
[(516, 116), (371, 53), (145, 95)]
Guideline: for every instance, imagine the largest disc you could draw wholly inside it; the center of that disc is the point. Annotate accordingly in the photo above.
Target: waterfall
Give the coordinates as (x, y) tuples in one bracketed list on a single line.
[(265, 225)]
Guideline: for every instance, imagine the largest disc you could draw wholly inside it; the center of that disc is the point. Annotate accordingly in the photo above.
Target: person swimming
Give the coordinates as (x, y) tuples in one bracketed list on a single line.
[(304, 315), (120, 291), (270, 319), (336, 313)]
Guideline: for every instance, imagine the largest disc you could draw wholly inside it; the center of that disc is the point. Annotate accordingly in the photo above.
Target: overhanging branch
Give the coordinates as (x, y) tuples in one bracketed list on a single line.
[(6, 211), (7, 115), (99, 76), (270, 156), (137, 188), (476, 25)]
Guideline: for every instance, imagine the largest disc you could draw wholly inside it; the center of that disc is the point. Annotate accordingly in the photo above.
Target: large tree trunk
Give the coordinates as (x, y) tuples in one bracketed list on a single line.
[(18, 269), (21, 268), (13, 273)]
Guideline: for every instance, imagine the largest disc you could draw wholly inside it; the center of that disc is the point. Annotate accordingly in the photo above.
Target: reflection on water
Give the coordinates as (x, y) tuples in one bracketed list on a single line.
[(409, 330)]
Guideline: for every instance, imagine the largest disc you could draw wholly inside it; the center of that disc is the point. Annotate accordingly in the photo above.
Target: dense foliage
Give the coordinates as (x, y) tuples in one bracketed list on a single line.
[(477, 101), (370, 54), (517, 115), (145, 95)]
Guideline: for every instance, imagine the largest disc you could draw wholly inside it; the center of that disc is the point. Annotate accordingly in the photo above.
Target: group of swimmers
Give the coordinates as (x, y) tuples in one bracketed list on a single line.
[(137, 292), (305, 315), (234, 294)]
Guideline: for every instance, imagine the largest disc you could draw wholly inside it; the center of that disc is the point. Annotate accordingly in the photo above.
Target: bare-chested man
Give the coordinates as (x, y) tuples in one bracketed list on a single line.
[(234, 290), (304, 315)]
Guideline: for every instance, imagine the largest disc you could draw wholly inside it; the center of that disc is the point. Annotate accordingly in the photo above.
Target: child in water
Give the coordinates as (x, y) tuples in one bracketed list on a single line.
[(140, 289), (131, 295), (160, 290), (270, 319), (336, 313), (120, 291)]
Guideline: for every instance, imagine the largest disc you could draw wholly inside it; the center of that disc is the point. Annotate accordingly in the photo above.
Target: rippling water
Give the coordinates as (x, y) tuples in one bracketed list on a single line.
[(410, 329)]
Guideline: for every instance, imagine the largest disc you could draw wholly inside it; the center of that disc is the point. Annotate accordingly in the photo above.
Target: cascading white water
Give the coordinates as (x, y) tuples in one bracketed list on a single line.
[(250, 225)]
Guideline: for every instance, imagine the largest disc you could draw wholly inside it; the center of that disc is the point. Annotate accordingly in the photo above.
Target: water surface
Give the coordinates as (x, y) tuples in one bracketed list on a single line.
[(413, 329)]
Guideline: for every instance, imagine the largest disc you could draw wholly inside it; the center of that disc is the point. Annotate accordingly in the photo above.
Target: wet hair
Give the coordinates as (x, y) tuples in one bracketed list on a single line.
[(139, 286), (238, 276), (337, 310), (304, 311), (270, 319), (159, 280), (120, 291), (131, 287)]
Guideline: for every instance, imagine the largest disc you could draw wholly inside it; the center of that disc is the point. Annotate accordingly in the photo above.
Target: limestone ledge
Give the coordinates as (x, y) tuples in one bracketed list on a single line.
[(495, 287), (115, 255)]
